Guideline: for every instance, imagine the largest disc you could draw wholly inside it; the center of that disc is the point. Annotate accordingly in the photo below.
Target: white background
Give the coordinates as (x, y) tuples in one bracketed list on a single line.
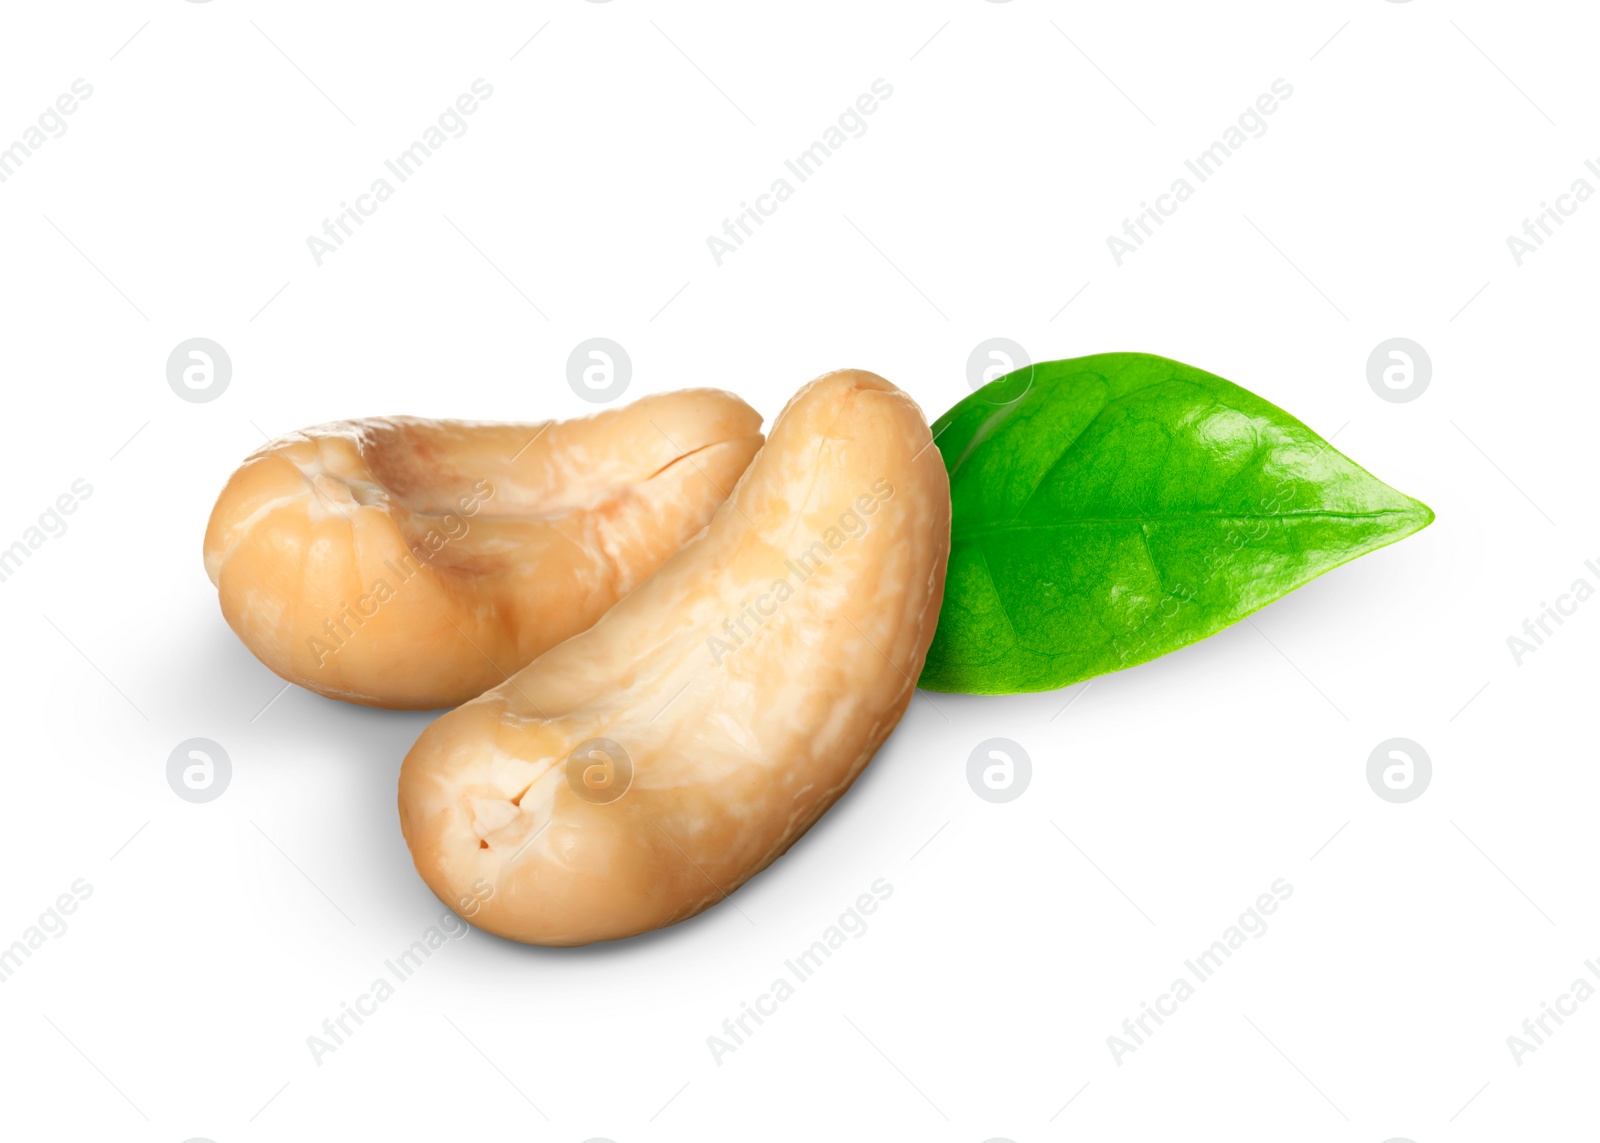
[(1164, 800)]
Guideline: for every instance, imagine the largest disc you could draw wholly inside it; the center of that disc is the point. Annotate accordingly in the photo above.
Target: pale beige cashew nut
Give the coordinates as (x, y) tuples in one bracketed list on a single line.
[(411, 563), (740, 733)]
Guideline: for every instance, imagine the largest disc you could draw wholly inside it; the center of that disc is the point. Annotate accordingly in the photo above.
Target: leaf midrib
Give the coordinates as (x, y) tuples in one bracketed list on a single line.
[(1169, 518)]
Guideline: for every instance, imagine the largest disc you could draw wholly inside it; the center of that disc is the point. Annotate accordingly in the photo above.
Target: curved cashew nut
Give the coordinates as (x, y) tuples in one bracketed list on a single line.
[(646, 768), (409, 563)]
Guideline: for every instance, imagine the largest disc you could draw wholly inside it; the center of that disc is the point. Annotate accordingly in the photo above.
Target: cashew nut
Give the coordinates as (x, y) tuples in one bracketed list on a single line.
[(646, 768), (410, 563)]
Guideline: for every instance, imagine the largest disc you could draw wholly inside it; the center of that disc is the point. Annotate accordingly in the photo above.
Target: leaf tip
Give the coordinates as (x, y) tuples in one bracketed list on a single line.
[(1422, 512)]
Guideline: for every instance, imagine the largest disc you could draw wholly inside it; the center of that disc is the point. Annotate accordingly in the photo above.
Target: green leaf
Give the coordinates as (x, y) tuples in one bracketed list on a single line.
[(1110, 509)]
